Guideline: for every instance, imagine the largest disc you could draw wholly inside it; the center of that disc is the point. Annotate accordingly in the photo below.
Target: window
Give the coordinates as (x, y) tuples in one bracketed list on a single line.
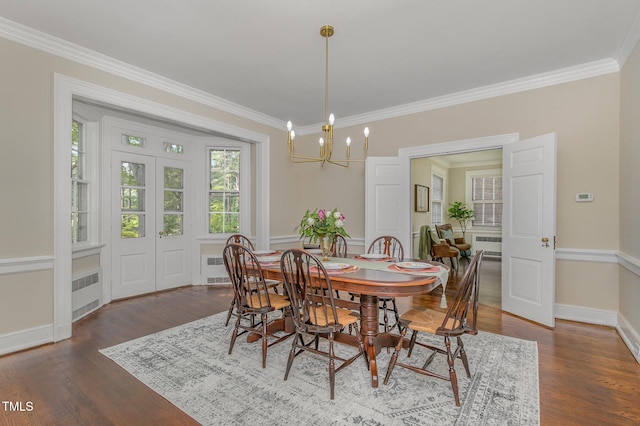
[(486, 196), (136, 141), (437, 198), (79, 185), (173, 148), (224, 190)]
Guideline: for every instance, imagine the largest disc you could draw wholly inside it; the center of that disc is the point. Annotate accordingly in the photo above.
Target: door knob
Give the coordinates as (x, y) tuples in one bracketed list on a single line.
[(545, 242), (161, 233)]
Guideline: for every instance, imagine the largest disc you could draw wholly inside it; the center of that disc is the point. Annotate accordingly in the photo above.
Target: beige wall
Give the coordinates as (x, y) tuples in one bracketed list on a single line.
[(629, 193), (584, 113), (26, 138)]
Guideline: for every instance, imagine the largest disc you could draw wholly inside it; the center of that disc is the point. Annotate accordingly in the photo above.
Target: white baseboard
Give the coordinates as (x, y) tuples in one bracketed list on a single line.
[(24, 339), (587, 315), (630, 336)]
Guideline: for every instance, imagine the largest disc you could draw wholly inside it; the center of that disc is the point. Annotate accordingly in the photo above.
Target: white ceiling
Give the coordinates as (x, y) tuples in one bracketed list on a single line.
[(268, 56)]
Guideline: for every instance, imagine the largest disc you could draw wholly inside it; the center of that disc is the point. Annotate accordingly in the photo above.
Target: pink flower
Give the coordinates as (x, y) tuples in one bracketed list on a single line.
[(321, 214)]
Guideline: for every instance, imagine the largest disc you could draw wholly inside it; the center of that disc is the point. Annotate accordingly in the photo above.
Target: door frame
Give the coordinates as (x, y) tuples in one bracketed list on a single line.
[(434, 150), (65, 89)]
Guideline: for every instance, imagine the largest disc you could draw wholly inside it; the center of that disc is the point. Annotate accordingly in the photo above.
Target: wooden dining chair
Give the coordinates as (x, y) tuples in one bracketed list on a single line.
[(338, 246), (459, 319), (252, 298), (315, 312), (242, 240), (392, 247), (338, 249), (246, 242)]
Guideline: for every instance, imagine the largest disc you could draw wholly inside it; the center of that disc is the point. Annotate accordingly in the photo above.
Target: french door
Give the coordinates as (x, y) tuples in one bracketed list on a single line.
[(150, 224)]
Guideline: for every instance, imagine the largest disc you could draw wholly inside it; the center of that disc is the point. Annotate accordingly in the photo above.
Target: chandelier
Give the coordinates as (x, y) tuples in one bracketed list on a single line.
[(326, 141)]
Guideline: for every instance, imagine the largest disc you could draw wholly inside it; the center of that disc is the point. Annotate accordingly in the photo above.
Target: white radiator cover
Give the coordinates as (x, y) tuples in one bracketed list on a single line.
[(490, 242), (213, 270), (86, 293)]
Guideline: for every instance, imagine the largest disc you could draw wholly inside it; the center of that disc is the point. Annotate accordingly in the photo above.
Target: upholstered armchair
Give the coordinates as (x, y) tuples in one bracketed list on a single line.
[(445, 232)]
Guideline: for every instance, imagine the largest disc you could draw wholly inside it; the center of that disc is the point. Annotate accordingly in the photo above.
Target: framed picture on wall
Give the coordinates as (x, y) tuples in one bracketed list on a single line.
[(421, 199)]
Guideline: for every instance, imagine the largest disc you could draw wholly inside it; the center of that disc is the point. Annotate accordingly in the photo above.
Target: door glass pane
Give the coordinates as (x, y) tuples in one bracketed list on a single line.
[(173, 201), (173, 178), (133, 225), (172, 224), (132, 199), (132, 174)]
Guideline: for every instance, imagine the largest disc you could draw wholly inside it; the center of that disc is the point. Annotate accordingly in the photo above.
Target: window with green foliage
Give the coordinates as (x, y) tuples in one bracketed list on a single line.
[(224, 190), (79, 185)]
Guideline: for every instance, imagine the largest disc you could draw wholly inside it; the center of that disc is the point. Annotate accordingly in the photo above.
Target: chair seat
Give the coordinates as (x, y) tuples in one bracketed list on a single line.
[(428, 320), (277, 301), (463, 246), (345, 317)]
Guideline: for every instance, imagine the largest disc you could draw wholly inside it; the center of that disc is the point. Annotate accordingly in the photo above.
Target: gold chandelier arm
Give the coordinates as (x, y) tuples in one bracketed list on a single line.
[(302, 159), (326, 142)]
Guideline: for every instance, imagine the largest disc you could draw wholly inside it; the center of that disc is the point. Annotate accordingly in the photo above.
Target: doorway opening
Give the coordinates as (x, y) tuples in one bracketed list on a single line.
[(475, 180)]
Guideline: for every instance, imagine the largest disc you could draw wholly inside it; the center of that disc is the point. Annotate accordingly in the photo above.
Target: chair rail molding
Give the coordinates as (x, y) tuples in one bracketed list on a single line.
[(25, 264)]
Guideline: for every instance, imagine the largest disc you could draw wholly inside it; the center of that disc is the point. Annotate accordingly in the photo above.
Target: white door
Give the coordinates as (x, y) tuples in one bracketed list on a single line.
[(173, 221), (382, 199), (528, 229), (149, 225)]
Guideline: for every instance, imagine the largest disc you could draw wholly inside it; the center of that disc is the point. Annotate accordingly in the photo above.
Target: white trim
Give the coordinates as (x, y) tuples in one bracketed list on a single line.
[(25, 264), (73, 52), (629, 335), (586, 255), (56, 46), (65, 88), (536, 81), (295, 239), (86, 251), (24, 339), (586, 315), (629, 263), (438, 149), (630, 40)]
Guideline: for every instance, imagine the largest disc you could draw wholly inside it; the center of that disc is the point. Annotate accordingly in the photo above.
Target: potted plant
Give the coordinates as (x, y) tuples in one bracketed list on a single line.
[(462, 214)]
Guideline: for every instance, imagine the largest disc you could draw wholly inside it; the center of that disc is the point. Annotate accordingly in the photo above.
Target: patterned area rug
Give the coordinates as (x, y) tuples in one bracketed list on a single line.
[(190, 367)]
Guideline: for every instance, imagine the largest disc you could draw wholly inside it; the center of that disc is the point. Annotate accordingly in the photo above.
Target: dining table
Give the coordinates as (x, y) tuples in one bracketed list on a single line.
[(371, 279)]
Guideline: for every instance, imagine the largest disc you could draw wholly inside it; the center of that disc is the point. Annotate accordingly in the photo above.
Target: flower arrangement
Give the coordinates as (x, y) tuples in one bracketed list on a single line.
[(322, 223)]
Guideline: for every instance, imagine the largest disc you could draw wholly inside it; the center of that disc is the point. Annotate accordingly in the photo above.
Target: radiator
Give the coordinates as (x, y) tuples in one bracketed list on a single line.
[(86, 293), (213, 270), (490, 243)]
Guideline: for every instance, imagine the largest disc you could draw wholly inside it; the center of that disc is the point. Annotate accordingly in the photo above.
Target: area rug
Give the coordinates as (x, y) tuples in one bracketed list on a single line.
[(189, 366)]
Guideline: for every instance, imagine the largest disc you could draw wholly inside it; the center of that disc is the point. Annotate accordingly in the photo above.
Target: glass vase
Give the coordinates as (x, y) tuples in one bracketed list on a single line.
[(324, 247)]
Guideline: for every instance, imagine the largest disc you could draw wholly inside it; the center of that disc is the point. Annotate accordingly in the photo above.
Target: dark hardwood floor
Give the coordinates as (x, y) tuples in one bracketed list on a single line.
[(587, 375)]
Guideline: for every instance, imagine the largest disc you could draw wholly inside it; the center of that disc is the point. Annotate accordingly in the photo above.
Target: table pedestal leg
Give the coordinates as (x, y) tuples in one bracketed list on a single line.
[(369, 331)]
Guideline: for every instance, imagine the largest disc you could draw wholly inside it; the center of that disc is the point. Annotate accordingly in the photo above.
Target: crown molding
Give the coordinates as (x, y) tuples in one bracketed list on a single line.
[(536, 81), (73, 52), (56, 46), (631, 38)]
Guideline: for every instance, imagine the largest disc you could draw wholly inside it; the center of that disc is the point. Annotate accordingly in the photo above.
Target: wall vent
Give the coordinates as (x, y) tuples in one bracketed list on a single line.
[(86, 293), (213, 270), (482, 238), (491, 244), (86, 309)]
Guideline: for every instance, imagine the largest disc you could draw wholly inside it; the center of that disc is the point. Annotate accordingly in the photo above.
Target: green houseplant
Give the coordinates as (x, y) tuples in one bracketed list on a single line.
[(462, 214)]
